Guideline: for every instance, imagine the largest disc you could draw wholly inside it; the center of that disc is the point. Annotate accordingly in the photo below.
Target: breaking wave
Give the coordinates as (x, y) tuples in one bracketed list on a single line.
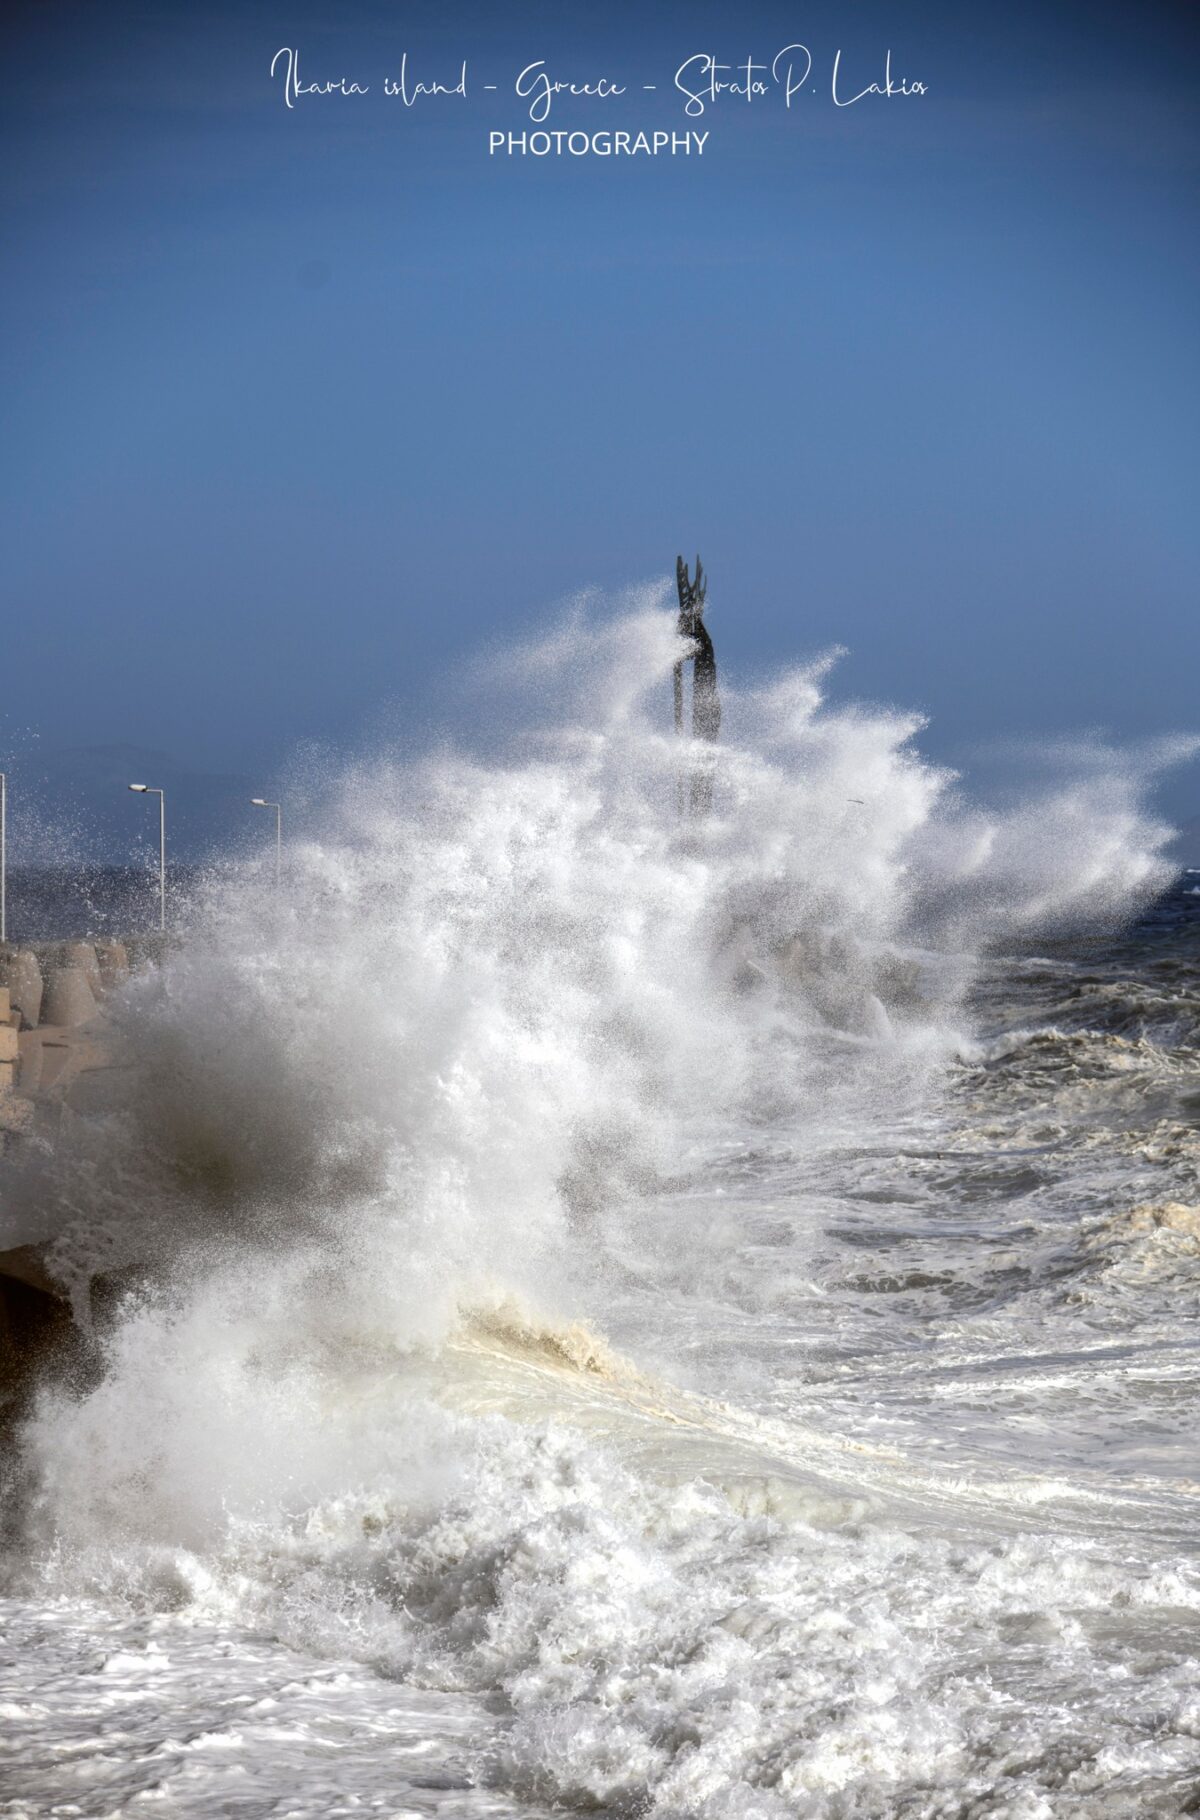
[(465, 1210)]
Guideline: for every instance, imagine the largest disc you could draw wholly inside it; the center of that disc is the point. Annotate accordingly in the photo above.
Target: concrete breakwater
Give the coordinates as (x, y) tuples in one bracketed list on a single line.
[(53, 1060), (51, 996)]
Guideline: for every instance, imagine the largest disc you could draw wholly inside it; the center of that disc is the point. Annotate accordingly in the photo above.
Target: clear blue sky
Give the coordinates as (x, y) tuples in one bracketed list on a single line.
[(301, 403)]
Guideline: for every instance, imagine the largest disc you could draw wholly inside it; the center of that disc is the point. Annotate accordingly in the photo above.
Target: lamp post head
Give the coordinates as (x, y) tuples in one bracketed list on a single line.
[(258, 802), (140, 788)]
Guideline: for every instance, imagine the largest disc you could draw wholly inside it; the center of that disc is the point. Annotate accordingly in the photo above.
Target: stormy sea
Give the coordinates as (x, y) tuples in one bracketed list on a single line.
[(633, 1314)]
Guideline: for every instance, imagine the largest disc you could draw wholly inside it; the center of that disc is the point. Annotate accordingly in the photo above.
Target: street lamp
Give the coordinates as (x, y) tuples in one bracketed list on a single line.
[(149, 790), (260, 802)]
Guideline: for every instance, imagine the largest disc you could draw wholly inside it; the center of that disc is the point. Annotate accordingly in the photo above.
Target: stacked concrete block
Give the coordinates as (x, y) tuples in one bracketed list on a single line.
[(21, 974), (9, 1049), (16, 1112)]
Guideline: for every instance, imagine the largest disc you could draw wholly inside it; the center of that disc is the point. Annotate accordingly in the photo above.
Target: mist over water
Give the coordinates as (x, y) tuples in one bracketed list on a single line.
[(676, 1317)]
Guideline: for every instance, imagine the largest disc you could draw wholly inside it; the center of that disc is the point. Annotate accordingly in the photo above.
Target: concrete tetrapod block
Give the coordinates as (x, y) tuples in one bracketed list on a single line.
[(149, 950), (55, 1058), (8, 1078), (113, 962), (5, 1005), (21, 974), (83, 956), (69, 997), (9, 1043)]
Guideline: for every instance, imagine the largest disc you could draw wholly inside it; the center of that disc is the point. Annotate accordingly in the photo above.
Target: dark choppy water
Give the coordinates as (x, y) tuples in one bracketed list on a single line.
[(69, 903)]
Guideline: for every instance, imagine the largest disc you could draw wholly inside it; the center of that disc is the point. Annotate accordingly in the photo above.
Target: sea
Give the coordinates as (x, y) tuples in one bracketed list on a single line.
[(617, 1313)]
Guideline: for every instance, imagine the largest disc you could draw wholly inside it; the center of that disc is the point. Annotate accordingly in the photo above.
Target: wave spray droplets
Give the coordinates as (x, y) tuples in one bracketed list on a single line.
[(520, 1061)]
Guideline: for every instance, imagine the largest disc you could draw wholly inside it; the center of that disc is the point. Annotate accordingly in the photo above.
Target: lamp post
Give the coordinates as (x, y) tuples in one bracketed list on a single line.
[(260, 802), (149, 790), (3, 857)]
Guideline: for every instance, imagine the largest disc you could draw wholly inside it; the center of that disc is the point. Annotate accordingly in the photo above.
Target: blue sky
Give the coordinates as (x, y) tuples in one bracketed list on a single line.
[(302, 403)]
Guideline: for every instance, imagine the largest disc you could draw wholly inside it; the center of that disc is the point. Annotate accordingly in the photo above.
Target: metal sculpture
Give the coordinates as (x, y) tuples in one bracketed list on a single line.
[(706, 703)]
